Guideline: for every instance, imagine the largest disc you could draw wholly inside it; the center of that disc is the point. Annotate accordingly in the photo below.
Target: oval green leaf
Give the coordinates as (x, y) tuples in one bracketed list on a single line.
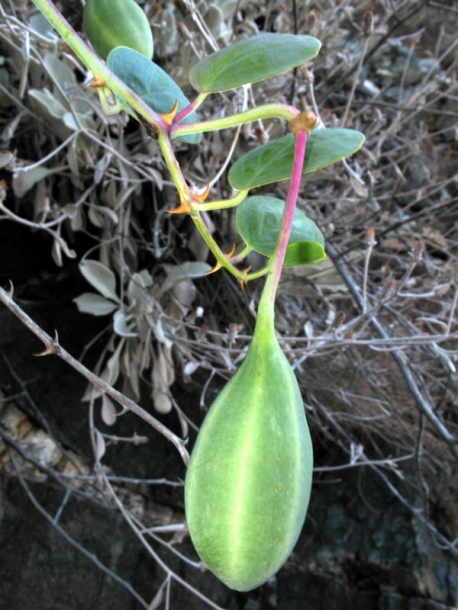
[(252, 60), (258, 221), (155, 87), (115, 23), (273, 161)]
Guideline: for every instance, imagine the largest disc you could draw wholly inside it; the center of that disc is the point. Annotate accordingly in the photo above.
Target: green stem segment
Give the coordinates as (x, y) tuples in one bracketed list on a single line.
[(268, 111), (174, 168), (224, 204)]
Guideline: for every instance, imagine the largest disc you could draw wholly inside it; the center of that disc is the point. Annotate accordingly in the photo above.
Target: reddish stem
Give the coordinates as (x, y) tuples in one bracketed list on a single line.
[(278, 258)]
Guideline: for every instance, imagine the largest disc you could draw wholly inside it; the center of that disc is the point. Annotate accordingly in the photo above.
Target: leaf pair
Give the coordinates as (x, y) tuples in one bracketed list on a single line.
[(246, 61)]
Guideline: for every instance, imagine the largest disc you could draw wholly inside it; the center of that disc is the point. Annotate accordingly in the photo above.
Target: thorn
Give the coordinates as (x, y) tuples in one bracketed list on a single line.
[(98, 81), (46, 352), (183, 208), (230, 253), (11, 290), (50, 350), (201, 197), (169, 116), (242, 281), (214, 269), (218, 265)]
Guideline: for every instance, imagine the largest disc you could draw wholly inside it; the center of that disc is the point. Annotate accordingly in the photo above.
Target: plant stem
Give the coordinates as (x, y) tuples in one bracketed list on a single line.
[(174, 168), (191, 108), (266, 304), (268, 111), (53, 346), (141, 109), (214, 248), (96, 65), (224, 204)]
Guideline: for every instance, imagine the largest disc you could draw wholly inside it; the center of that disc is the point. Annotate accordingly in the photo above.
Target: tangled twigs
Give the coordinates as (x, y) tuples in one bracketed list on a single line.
[(52, 347), (399, 357)]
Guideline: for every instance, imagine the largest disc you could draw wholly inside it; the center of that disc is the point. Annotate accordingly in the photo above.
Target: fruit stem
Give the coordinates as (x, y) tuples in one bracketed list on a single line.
[(266, 304)]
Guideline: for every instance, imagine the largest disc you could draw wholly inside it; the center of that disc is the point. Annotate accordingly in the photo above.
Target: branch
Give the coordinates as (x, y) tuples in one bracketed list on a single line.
[(52, 346)]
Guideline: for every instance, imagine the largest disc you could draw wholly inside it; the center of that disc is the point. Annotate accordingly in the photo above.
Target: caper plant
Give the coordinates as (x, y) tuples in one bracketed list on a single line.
[(248, 482)]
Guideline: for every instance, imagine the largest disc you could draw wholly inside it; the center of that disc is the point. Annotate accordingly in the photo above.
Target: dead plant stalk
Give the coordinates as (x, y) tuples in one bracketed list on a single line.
[(52, 347)]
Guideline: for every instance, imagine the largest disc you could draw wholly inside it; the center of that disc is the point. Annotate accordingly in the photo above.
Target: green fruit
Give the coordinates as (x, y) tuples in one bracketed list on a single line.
[(248, 482), (117, 23)]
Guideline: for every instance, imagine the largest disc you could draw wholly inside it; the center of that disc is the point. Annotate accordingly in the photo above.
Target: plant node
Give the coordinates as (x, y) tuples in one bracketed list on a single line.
[(305, 121)]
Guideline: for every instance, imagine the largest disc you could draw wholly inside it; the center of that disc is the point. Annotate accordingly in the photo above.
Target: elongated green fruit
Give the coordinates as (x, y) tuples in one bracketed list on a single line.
[(248, 482), (117, 23)]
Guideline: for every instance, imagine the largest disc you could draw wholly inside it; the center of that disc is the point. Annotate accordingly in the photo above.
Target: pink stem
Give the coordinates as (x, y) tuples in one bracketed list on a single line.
[(190, 108), (278, 258)]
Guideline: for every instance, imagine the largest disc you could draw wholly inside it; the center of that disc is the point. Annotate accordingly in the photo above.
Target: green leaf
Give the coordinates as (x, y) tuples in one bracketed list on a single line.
[(114, 23), (252, 60), (258, 221), (111, 372), (138, 292), (304, 253), (273, 161), (152, 84)]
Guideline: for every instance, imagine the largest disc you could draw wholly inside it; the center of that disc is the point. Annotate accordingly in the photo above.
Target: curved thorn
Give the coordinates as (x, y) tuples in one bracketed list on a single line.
[(46, 352), (98, 81), (214, 269), (201, 197), (50, 349), (218, 265), (183, 208), (230, 253), (169, 116), (242, 280)]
